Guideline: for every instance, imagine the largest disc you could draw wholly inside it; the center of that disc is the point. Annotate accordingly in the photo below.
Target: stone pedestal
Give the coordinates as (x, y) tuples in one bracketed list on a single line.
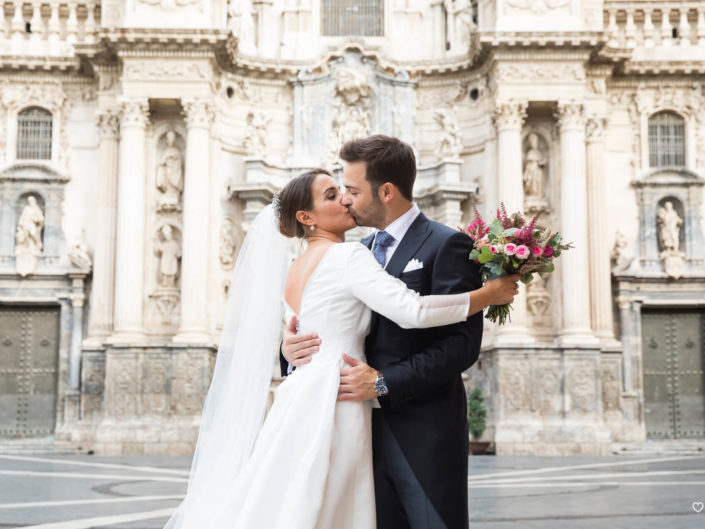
[(153, 400), (543, 399)]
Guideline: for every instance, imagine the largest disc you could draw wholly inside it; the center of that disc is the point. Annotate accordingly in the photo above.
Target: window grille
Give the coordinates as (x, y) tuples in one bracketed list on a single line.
[(666, 140), (34, 134), (353, 17)]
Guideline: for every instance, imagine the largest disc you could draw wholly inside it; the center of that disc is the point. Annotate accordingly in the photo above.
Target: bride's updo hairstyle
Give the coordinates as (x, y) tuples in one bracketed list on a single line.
[(296, 196)]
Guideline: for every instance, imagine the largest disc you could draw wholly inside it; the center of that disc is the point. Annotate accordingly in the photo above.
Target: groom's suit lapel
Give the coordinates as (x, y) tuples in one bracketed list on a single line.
[(414, 237)]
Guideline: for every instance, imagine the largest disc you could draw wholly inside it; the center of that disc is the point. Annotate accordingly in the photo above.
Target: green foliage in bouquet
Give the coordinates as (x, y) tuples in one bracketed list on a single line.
[(476, 413)]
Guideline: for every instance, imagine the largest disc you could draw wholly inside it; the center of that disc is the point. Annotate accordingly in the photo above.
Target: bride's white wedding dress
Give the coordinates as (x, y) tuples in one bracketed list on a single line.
[(312, 463)]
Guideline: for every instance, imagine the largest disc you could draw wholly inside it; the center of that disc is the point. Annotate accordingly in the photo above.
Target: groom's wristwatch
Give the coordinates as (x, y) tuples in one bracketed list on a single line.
[(381, 385)]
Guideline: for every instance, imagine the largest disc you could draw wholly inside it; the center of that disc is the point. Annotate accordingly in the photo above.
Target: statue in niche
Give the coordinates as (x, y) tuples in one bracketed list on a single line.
[(534, 163), (28, 237), (242, 25), (353, 98), (621, 256), (669, 226), (450, 144), (170, 174), (169, 251), (256, 138)]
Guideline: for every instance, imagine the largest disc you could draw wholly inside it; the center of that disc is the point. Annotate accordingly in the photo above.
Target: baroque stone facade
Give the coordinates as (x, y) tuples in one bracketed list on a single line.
[(168, 126)]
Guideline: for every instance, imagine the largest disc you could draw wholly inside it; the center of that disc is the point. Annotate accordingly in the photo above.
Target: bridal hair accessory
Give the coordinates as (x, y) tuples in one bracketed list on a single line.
[(276, 207)]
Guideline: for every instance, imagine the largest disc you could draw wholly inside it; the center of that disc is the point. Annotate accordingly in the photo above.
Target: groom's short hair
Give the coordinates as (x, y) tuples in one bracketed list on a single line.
[(386, 159)]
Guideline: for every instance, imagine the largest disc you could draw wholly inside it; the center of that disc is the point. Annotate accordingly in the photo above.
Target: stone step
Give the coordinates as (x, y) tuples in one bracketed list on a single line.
[(682, 447), (27, 445)]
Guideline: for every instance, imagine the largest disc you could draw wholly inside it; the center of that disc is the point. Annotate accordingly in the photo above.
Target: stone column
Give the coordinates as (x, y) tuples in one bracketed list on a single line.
[(194, 261), (509, 117), (574, 263), (77, 299), (600, 272), (129, 251), (627, 344), (101, 303)]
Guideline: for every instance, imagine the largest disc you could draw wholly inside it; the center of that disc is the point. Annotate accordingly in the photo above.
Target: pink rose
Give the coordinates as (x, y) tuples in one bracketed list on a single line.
[(523, 252), (493, 248), (548, 251), (536, 251), (510, 248)]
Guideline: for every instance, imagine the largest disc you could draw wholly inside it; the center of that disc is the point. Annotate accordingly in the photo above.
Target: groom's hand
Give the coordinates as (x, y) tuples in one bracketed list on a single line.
[(358, 381), (298, 348)]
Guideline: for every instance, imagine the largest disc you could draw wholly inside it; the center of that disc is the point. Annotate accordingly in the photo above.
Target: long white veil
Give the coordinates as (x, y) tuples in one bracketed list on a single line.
[(237, 398)]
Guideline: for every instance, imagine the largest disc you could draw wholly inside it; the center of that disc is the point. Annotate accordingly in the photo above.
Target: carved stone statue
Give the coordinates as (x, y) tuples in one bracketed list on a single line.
[(256, 139), (669, 226), (28, 237), (227, 243), (80, 256), (170, 174), (169, 251), (242, 25), (352, 102), (621, 256), (538, 298), (459, 22), (534, 163), (450, 144)]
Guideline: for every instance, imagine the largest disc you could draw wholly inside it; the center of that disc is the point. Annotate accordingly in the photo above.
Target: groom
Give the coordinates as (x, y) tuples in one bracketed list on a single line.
[(420, 433)]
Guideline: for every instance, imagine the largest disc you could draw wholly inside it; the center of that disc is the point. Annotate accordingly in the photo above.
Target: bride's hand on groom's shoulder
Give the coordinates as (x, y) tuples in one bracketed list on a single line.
[(298, 348)]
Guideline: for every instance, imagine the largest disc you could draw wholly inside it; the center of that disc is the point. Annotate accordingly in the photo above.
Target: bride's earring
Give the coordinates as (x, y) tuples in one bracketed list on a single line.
[(313, 227)]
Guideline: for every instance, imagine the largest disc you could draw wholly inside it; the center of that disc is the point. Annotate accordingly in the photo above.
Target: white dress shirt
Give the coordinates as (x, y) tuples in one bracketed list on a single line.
[(398, 229)]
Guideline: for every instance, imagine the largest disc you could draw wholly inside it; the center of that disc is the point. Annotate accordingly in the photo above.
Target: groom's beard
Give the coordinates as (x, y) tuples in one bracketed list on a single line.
[(371, 216)]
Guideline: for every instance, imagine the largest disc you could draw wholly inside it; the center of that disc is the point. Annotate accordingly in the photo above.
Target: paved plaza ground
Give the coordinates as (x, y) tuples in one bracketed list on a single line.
[(76, 491)]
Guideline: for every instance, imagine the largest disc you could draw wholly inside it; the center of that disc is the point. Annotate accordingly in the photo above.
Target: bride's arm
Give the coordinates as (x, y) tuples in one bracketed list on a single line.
[(390, 297)]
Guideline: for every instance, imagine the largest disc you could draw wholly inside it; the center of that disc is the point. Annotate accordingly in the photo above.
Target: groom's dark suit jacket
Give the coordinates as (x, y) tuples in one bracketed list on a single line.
[(426, 406)]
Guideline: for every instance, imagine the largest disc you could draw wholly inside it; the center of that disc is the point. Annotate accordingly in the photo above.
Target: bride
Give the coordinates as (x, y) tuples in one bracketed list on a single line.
[(309, 466)]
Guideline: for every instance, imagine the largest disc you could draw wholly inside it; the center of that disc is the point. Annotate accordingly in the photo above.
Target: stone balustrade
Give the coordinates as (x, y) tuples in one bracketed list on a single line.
[(656, 24), (47, 27)]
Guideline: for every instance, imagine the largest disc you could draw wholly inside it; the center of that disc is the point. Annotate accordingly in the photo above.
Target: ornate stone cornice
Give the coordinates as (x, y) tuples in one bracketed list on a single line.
[(134, 113), (509, 114), (108, 124), (571, 116), (199, 113)]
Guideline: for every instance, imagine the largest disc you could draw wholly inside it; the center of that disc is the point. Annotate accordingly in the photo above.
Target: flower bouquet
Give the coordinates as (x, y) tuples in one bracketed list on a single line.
[(511, 246)]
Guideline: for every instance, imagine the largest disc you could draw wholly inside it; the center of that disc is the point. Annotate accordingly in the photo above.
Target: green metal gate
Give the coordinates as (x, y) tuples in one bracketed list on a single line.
[(29, 345), (674, 383)]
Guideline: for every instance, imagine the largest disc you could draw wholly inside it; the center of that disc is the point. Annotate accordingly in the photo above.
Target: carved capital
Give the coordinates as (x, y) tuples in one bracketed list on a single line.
[(134, 113), (198, 113), (571, 116), (509, 114), (596, 129), (108, 124)]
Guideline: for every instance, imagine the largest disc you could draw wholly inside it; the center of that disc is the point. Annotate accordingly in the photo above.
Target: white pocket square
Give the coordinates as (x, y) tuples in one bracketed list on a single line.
[(412, 265)]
